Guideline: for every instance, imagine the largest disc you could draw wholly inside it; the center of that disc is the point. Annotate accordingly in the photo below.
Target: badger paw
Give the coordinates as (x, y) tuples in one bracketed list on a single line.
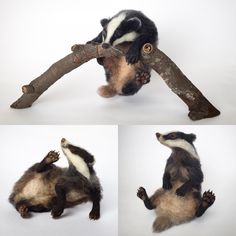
[(94, 215), (143, 77), (24, 211), (180, 192), (208, 198), (167, 185), (132, 56), (52, 156), (56, 212), (142, 193)]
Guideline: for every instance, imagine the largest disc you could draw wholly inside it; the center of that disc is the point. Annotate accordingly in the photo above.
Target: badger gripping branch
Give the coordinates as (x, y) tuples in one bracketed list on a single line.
[(199, 106)]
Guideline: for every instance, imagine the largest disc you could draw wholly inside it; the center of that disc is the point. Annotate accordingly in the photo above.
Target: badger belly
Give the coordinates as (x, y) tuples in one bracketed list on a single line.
[(179, 209), (38, 190)]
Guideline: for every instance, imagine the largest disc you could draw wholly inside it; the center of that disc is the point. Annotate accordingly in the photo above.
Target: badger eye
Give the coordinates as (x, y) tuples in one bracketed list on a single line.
[(172, 136)]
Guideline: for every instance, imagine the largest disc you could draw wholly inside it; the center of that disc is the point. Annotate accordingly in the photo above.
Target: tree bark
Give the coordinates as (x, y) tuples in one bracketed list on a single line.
[(199, 106)]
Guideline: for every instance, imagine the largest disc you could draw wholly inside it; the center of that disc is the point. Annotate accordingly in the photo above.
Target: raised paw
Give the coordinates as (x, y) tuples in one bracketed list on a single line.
[(56, 212), (208, 198), (132, 56), (24, 211), (143, 77), (94, 215), (142, 193), (180, 192), (52, 156)]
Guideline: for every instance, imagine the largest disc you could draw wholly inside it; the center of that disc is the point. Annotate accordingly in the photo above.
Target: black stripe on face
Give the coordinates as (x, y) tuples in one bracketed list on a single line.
[(180, 135), (87, 157)]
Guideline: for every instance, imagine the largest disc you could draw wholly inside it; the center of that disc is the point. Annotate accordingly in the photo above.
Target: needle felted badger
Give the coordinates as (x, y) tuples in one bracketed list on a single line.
[(46, 187), (129, 30), (180, 199)]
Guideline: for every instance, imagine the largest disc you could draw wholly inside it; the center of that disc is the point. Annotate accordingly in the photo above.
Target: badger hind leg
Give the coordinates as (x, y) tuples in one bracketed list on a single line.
[(23, 208), (161, 223), (142, 194), (207, 200)]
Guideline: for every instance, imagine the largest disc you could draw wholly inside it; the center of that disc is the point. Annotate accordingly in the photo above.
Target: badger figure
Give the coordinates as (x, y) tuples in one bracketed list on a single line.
[(47, 187), (129, 30), (180, 199)]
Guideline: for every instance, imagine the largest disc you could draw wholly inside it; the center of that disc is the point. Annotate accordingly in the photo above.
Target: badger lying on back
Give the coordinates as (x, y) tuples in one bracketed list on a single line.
[(130, 30), (46, 187), (180, 199)]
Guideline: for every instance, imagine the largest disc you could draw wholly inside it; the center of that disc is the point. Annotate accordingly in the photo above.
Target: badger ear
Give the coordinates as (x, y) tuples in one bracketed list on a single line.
[(134, 24), (192, 137), (104, 22)]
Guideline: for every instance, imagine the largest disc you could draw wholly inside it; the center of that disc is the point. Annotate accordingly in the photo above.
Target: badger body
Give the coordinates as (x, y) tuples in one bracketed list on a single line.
[(130, 30), (46, 187), (180, 199)]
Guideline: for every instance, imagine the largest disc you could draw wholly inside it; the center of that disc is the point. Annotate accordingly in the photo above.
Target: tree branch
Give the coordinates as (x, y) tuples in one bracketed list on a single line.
[(199, 106)]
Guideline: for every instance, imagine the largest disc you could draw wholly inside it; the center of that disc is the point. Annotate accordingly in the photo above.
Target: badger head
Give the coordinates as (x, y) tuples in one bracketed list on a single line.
[(77, 157), (120, 28), (178, 140)]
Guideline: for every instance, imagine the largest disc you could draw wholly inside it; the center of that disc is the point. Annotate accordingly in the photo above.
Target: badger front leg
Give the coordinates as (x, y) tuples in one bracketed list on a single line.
[(60, 200), (166, 181), (46, 163)]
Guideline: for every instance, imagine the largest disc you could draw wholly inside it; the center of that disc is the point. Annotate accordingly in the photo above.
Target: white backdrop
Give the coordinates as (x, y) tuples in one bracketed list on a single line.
[(199, 36), (142, 161), (23, 146)]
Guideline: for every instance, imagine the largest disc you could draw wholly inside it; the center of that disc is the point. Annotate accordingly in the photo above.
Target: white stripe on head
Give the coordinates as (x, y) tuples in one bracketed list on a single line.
[(129, 37), (112, 26), (180, 143), (78, 162)]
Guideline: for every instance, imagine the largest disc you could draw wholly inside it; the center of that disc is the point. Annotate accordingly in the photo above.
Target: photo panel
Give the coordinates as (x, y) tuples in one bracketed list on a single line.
[(142, 161), (23, 146)]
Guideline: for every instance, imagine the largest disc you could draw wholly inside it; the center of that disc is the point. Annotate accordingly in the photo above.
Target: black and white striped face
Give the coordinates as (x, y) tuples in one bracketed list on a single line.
[(78, 157), (178, 139), (121, 28)]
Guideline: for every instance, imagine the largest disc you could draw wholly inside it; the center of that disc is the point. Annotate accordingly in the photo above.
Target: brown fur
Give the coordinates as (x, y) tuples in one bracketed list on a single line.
[(173, 209), (120, 73), (44, 185)]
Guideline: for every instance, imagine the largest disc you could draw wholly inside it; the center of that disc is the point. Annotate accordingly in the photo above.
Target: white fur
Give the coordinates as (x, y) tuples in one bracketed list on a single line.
[(180, 143), (113, 24), (77, 161), (129, 37)]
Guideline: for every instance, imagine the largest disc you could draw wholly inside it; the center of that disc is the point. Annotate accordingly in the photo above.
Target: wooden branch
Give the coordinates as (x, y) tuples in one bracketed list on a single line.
[(198, 105), (80, 55)]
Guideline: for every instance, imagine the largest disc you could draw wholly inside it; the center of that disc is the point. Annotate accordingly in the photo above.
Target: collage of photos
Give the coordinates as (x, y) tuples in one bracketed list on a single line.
[(118, 119)]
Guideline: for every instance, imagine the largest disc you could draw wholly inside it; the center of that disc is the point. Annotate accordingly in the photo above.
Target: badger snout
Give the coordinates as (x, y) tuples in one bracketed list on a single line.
[(64, 143), (158, 135)]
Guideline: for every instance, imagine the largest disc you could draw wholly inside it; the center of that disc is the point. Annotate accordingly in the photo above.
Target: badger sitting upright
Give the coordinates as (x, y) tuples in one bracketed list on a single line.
[(180, 199), (46, 187), (130, 30)]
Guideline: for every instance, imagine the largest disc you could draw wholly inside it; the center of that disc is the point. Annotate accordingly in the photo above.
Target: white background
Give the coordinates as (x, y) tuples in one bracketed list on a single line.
[(199, 36), (22, 146), (142, 161)]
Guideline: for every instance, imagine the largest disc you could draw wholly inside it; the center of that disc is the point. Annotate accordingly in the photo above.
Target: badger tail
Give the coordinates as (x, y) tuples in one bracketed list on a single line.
[(207, 200), (161, 223)]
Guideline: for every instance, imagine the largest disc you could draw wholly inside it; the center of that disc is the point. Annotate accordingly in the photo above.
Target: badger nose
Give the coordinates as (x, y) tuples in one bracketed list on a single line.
[(63, 140), (158, 135)]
